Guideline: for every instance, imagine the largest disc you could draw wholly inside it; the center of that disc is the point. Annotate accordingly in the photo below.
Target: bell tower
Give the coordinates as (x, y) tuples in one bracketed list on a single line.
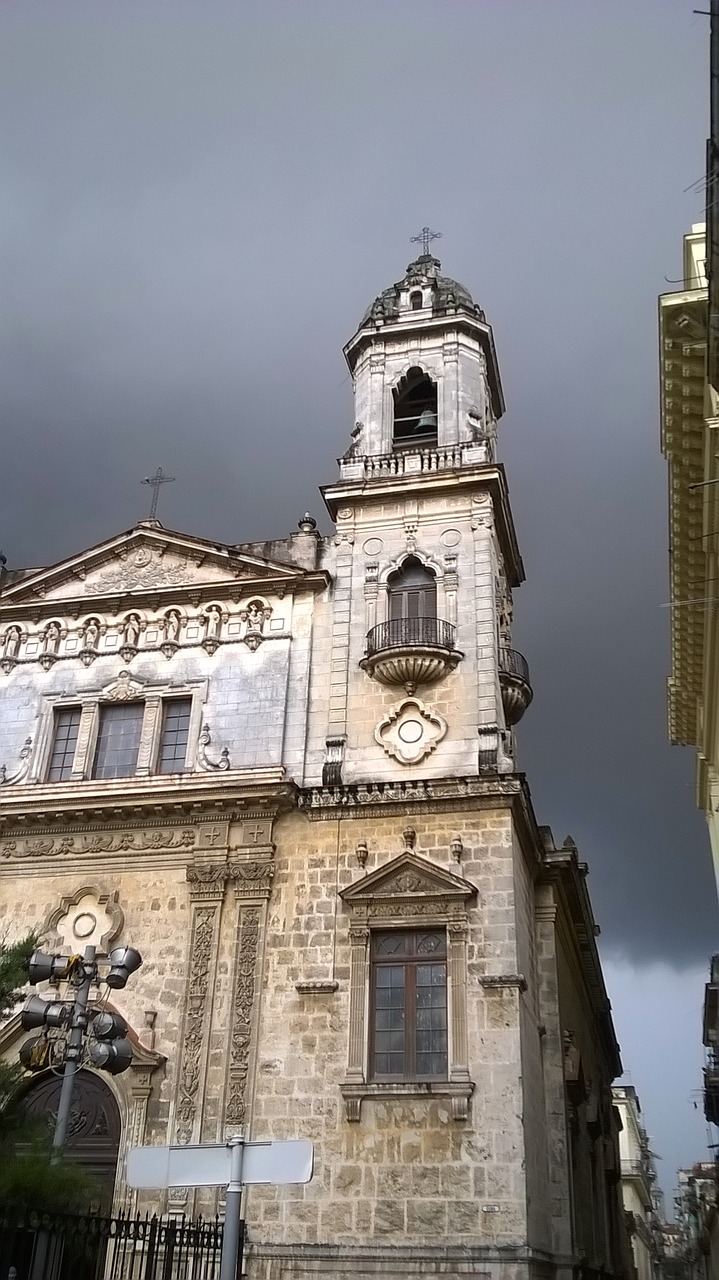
[(424, 680)]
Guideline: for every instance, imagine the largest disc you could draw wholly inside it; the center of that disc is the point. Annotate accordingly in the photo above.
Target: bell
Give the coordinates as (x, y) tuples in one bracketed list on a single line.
[(427, 422)]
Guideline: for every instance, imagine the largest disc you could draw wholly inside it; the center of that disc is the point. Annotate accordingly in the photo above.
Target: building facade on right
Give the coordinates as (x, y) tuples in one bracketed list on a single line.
[(638, 1180)]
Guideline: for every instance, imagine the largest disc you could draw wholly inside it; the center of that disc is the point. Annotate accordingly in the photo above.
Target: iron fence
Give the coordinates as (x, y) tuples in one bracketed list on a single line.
[(77, 1247)]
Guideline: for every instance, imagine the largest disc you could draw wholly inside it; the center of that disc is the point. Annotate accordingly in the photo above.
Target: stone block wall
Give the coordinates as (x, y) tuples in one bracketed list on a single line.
[(407, 1172)]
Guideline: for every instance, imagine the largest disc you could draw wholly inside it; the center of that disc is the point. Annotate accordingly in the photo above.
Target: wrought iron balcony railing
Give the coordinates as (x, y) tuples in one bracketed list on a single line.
[(515, 684), (514, 663), (404, 633)]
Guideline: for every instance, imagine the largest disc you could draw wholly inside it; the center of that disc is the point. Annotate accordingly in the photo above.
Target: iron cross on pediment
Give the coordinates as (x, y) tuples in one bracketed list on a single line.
[(155, 482)]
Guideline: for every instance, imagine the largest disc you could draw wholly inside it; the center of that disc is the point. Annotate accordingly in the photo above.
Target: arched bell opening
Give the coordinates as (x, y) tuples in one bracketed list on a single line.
[(415, 410), (94, 1127)]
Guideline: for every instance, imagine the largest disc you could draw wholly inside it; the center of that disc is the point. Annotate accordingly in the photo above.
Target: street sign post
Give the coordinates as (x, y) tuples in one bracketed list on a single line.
[(235, 1164)]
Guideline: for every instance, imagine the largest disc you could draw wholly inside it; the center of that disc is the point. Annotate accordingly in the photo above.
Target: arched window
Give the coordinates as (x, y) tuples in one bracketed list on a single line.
[(415, 300), (412, 592), (415, 410)]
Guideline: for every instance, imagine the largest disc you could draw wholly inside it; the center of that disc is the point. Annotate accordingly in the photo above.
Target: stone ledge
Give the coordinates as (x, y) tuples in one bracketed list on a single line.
[(458, 1092), (495, 981), (317, 986)]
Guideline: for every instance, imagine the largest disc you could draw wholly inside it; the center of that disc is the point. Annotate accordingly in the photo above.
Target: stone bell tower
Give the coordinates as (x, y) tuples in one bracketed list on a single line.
[(424, 679)]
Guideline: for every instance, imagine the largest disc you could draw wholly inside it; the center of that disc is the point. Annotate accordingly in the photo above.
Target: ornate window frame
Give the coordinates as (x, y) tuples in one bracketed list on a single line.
[(124, 689), (408, 892)]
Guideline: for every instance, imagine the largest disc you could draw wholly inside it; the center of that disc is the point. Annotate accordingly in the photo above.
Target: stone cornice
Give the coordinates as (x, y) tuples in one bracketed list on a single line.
[(682, 358), (431, 795), (146, 801), (563, 869), (152, 597)]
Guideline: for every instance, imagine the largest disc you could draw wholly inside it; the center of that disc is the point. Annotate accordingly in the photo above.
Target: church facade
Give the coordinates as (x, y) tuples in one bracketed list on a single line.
[(286, 772)]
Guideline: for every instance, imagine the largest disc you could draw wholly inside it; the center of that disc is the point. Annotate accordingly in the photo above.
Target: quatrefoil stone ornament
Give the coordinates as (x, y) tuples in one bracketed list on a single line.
[(410, 731)]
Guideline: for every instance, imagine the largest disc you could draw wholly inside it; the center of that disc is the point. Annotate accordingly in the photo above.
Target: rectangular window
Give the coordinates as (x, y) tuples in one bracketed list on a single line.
[(172, 753), (409, 999), (64, 741), (118, 740)]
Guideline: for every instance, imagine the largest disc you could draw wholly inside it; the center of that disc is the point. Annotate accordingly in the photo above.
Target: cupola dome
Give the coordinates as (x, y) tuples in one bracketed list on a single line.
[(422, 289)]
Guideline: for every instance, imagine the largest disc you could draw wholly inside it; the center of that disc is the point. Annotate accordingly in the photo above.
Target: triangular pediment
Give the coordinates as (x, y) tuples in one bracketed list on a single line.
[(147, 559), (409, 876)]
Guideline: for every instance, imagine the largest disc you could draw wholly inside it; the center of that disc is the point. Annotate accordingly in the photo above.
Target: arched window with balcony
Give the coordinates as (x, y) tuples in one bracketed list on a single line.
[(412, 592), (415, 410)]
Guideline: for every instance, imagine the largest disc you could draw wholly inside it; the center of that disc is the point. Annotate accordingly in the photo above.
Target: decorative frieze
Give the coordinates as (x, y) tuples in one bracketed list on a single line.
[(73, 846), (408, 797), (165, 634)]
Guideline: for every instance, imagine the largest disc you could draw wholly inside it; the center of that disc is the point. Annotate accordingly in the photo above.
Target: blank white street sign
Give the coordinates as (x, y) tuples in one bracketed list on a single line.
[(208, 1164)]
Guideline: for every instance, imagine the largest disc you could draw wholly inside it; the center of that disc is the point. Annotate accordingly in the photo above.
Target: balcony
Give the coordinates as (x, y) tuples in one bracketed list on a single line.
[(410, 651), (711, 1092), (514, 683)]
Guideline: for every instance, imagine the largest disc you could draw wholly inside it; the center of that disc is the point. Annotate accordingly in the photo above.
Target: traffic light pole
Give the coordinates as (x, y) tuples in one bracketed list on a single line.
[(73, 1051)]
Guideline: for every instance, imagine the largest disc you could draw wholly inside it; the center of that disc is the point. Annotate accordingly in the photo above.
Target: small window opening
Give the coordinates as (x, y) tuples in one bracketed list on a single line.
[(415, 410), (415, 301)]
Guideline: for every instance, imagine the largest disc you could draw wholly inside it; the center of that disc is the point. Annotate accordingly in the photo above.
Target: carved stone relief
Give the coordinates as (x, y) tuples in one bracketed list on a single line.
[(23, 767), (410, 731), (248, 932), (207, 887), (79, 845), (88, 917)]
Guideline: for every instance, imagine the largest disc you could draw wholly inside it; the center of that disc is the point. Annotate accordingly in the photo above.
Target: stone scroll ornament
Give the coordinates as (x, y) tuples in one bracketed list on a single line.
[(204, 759), (7, 779)]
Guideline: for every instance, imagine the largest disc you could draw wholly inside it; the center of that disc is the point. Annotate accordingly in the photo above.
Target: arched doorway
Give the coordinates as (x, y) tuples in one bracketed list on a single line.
[(93, 1132)]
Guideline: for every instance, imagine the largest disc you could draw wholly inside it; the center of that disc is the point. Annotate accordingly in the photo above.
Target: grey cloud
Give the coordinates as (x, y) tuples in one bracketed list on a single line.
[(198, 203)]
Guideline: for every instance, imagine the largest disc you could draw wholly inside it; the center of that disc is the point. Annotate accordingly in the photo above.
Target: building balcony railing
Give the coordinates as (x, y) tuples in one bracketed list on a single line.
[(397, 633), (412, 458), (711, 1093), (514, 682), (410, 651)]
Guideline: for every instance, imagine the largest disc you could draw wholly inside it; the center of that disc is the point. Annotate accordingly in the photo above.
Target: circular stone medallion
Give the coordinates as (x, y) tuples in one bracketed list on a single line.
[(373, 546), (84, 925), (410, 731), (450, 538)]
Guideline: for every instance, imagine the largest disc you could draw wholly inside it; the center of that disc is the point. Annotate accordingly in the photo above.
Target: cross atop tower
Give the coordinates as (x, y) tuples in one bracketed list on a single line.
[(425, 238), (154, 482)]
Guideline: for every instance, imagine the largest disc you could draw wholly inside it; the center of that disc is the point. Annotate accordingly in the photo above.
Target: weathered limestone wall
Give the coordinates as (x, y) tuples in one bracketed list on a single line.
[(407, 1172), (453, 535)]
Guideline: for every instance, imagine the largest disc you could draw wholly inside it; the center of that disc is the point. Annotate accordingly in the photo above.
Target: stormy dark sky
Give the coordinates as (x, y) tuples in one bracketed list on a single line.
[(197, 201)]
